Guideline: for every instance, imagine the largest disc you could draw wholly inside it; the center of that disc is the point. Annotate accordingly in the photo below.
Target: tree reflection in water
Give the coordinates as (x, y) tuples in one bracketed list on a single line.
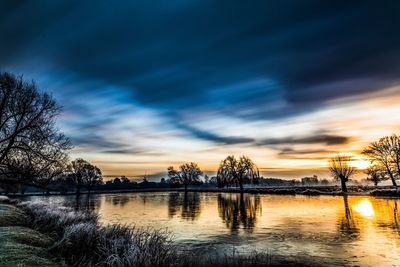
[(85, 202), (239, 210), (389, 215), (347, 225), (117, 200), (187, 203)]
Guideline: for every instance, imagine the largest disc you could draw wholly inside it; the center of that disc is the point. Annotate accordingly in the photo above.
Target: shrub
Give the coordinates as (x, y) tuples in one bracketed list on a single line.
[(82, 241), (87, 244), (7, 200), (54, 219)]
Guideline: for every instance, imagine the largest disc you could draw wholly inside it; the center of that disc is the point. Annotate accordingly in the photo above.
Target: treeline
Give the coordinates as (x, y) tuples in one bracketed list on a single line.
[(384, 158)]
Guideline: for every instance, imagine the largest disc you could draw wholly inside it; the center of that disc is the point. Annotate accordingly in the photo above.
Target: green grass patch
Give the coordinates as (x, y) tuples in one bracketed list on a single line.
[(11, 216), (19, 245)]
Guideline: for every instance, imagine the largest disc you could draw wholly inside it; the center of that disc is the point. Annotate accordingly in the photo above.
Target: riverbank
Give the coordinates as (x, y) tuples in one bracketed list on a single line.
[(356, 190), (19, 244)]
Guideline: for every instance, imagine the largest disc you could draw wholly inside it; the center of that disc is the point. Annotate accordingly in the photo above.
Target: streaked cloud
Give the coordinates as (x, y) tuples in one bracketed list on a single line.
[(286, 83)]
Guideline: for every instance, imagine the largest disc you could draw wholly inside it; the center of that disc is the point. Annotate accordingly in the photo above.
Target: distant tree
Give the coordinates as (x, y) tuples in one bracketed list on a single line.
[(206, 179), (187, 173), (117, 180), (226, 173), (324, 182), (213, 180), (125, 180), (341, 169), (309, 180), (237, 171), (163, 181), (376, 174), (84, 174), (385, 154), (32, 149)]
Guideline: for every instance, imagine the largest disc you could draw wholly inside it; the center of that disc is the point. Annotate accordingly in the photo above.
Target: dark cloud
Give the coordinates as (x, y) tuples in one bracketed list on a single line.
[(313, 139), (132, 151), (209, 136), (261, 61), (313, 154)]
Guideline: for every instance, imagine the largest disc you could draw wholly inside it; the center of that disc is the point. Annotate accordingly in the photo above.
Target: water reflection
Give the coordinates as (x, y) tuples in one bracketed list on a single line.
[(85, 202), (396, 216), (187, 203), (117, 200), (364, 208), (239, 210), (347, 225), (388, 215), (330, 230)]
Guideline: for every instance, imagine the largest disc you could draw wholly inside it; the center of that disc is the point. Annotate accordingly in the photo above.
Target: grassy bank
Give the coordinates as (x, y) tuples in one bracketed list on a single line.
[(21, 245), (39, 234)]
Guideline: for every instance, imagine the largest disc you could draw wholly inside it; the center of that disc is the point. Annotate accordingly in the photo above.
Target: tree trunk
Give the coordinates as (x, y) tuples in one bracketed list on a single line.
[(78, 190), (392, 178), (241, 186), (344, 186), (185, 187)]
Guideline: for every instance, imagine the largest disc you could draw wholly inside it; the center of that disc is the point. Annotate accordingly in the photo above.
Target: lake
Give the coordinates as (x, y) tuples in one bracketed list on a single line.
[(330, 230)]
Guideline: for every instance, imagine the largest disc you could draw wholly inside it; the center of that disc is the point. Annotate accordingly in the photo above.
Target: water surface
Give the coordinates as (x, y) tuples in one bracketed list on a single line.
[(331, 230)]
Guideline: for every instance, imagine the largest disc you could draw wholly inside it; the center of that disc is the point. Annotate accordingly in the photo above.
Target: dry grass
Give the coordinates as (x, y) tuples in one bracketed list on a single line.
[(82, 241)]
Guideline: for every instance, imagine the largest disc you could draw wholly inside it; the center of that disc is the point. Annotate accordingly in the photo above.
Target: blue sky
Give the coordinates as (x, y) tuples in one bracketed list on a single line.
[(148, 84)]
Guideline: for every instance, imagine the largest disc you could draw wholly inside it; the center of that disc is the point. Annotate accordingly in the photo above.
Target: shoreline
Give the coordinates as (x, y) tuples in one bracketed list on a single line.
[(384, 191)]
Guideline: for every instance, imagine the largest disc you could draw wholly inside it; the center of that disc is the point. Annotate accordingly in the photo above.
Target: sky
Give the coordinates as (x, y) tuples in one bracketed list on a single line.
[(149, 84)]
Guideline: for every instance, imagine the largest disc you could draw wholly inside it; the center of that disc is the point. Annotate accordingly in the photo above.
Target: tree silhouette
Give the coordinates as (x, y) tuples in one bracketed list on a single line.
[(341, 169), (188, 173), (32, 149), (237, 171), (84, 174), (376, 174), (386, 153)]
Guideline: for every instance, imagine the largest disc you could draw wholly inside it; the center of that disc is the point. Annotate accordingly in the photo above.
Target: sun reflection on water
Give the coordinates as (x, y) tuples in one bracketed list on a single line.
[(364, 208)]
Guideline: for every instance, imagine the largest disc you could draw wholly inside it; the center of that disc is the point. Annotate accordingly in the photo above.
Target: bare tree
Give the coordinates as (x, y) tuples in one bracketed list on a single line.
[(188, 173), (237, 171), (383, 153), (376, 174), (394, 141), (84, 174), (341, 169), (32, 149)]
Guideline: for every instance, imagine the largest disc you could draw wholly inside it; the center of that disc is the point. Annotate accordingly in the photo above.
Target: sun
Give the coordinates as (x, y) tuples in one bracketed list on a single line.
[(360, 164)]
